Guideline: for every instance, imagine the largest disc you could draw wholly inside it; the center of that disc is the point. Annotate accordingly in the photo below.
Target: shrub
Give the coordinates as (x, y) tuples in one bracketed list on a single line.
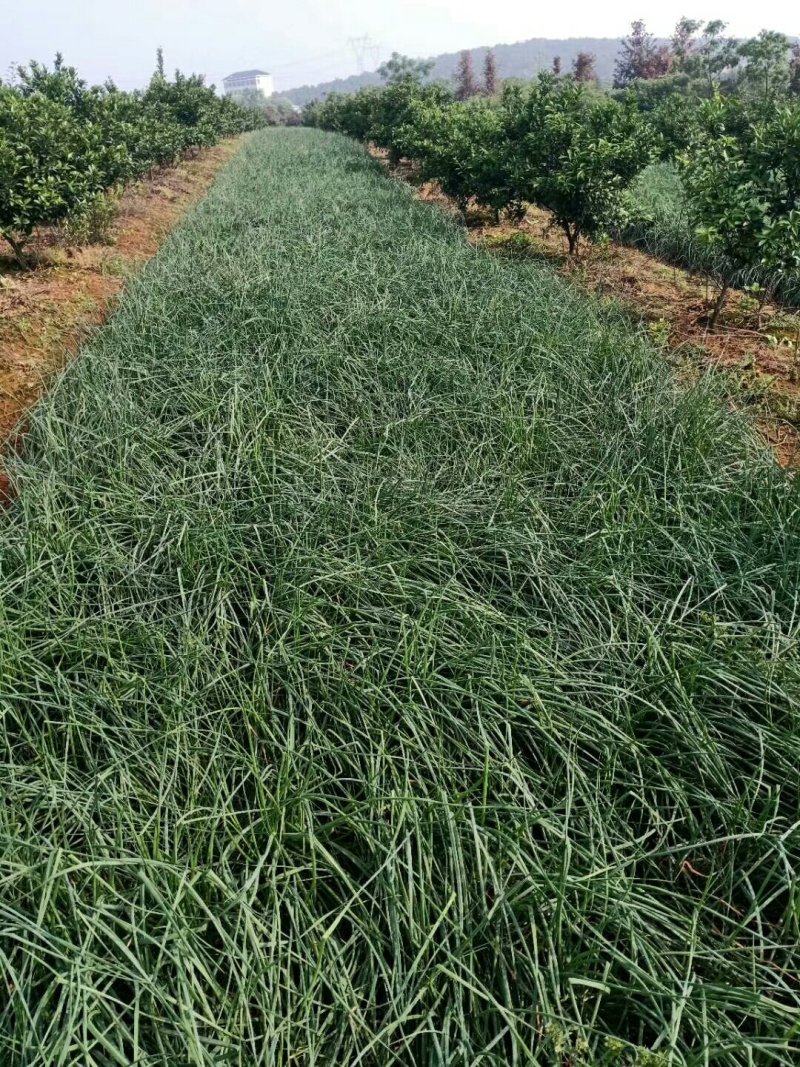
[(93, 221), (461, 145), (574, 153), (63, 142), (46, 169), (743, 184), (393, 114)]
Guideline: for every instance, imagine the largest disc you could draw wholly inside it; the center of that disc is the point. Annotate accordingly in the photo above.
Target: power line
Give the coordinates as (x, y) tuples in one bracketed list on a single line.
[(311, 59), (365, 49)]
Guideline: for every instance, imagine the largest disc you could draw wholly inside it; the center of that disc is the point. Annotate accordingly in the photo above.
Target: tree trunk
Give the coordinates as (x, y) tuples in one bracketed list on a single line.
[(573, 237), (712, 322), (17, 247)]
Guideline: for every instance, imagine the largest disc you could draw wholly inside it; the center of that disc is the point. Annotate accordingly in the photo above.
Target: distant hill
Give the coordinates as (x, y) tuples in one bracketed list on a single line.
[(521, 60)]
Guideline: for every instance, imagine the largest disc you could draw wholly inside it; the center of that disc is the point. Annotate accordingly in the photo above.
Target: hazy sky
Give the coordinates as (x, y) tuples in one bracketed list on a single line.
[(303, 41)]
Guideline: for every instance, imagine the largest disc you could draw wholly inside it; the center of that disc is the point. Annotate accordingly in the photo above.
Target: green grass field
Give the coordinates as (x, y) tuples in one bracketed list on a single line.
[(661, 217), (398, 666)]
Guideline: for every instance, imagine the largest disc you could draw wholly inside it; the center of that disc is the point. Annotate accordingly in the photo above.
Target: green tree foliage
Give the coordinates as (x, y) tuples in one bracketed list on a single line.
[(766, 72), (400, 68), (742, 174), (62, 141), (463, 147), (554, 143), (575, 153), (703, 51), (279, 111), (387, 117), (351, 114), (710, 57), (45, 165), (701, 59), (669, 108), (62, 85), (392, 111), (672, 119)]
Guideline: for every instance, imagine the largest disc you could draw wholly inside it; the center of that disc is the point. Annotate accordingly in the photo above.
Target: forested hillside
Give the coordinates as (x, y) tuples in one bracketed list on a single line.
[(520, 60)]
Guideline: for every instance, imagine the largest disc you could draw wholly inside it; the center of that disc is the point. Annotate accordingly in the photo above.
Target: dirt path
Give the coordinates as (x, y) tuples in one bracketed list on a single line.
[(758, 353), (46, 313)]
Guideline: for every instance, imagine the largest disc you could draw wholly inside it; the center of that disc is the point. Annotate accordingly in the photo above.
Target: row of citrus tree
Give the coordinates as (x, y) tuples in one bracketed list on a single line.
[(574, 151), (63, 142)]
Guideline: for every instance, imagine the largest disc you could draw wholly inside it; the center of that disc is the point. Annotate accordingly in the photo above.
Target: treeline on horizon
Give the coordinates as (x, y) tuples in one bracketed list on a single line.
[(520, 60)]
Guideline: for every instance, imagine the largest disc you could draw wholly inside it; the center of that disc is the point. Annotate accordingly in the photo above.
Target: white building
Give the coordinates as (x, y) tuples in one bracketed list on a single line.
[(245, 81)]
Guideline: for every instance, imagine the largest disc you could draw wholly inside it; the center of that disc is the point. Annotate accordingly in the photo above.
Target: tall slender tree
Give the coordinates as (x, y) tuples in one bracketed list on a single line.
[(583, 67), (766, 72), (794, 71), (684, 41), (490, 73), (466, 86), (710, 56), (641, 57), (556, 65)]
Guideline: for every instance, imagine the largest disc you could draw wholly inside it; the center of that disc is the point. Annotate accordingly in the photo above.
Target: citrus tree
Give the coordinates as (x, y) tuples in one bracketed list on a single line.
[(62, 142), (395, 113), (462, 147), (46, 168), (574, 152), (743, 182), (351, 114)]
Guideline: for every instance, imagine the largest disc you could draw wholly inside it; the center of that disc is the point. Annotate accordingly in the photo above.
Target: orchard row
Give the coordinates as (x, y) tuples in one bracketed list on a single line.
[(63, 142), (573, 150)]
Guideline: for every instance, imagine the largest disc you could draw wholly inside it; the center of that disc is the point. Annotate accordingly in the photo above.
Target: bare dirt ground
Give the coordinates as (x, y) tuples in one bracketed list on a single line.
[(758, 352), (47, 312)]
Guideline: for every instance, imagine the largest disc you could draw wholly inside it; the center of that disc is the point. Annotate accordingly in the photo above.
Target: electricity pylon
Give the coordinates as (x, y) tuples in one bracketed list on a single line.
[(364, 49)]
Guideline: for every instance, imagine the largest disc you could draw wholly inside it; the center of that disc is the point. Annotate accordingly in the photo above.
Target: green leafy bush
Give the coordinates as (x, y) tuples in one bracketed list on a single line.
[(743, 186), (462, 146), (393, 115), (63, 142), (557, 143), (46, 168), (574, 153), (93, 221)]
